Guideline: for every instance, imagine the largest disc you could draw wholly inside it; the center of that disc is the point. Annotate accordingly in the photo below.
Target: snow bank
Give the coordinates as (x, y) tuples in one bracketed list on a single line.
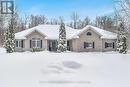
[(2, 50)]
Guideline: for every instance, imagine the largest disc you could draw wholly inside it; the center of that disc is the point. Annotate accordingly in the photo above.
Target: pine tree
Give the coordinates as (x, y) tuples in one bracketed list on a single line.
[(10, 38), (62, 42), (122, 45)]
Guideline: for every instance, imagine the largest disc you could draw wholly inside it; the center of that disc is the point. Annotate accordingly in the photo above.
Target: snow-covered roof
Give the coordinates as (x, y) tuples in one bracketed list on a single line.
[(49, 31), (103, 33), (52, 32)]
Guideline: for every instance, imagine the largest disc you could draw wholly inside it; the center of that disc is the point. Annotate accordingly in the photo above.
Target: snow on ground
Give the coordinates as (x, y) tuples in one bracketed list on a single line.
[(45, 69), (2, 50)]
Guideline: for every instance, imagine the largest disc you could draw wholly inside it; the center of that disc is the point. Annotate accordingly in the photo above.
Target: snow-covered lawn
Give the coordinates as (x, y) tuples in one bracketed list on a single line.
[(46, 69)]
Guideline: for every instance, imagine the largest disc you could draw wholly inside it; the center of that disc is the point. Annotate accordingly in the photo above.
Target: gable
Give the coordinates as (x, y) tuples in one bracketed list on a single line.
[(102, 33), (35, 34), (93, 34)]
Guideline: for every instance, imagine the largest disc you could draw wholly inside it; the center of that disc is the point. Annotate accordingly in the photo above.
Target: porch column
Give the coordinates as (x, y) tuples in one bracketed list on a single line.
[(46, 45)]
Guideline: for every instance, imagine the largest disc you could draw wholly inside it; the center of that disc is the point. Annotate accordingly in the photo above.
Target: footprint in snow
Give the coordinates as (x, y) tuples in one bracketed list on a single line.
[(71, 64)]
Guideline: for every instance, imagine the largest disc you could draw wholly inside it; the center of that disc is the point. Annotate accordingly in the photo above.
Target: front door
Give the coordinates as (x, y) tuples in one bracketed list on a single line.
[(69, 45), (53, 45)]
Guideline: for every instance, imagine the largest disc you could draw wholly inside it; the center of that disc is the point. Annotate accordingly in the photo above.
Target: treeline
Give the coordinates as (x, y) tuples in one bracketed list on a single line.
[(104, 22), (28, 21)]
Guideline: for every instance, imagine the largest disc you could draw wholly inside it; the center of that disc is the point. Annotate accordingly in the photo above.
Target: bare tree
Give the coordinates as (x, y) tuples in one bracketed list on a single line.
[(123, 9), (54, 21), (26, 21), (75, 19), (79, 23), (36, 20), (86, 21), (105, 22)]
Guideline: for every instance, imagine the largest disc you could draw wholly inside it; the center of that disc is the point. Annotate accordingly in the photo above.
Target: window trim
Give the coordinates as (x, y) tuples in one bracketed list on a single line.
[(36, 43), (18, 43), (87, 45), (89, 34), (109, 45)]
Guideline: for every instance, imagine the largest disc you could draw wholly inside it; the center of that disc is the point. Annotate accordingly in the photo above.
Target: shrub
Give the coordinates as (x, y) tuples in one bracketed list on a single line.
[(34, 49)]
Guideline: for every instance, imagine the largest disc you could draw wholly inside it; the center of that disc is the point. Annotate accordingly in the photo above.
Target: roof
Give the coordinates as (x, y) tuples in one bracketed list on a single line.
[(52, 32), (103, 33)]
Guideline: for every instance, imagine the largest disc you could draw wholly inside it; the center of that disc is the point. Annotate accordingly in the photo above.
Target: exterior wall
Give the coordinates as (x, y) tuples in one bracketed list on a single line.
[(75, 45), (78, 44), (108, 41), (99, 44), (26, 42)]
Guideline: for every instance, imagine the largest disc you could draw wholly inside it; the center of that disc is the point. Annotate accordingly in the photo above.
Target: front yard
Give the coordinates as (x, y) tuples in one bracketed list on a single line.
[(45, 69)]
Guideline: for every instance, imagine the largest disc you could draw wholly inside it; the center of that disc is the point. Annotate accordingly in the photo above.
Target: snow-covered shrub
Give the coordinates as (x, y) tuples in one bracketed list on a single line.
[(35, 49), (62, 42)]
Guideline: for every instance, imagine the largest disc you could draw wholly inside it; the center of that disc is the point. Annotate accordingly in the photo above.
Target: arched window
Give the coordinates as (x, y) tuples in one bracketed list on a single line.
[(89, 33)]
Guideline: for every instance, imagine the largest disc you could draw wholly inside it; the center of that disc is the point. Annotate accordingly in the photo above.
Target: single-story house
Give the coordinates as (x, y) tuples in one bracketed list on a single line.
[(88, 39)]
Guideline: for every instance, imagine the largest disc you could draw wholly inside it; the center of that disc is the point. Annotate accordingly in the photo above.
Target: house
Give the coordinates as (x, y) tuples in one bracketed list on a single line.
[(88, 39)]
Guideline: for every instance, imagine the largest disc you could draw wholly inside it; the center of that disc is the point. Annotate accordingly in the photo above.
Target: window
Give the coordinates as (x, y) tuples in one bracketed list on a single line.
[(36, 42), (89, 33), (88, 44), (18, 44), (109, 45)]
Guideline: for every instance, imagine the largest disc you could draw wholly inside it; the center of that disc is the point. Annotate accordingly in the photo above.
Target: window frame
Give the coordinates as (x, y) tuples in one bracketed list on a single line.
[(88, 45), (18, 43), (36, 43), (109, 45), (89, 34)]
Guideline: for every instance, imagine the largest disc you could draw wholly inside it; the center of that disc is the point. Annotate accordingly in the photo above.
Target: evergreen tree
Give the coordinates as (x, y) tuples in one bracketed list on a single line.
[(62, 42), (122, 45), (10, 38)]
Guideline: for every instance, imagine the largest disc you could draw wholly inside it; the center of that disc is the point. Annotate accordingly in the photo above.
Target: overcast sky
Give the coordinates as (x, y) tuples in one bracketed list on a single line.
[(56, 8)]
